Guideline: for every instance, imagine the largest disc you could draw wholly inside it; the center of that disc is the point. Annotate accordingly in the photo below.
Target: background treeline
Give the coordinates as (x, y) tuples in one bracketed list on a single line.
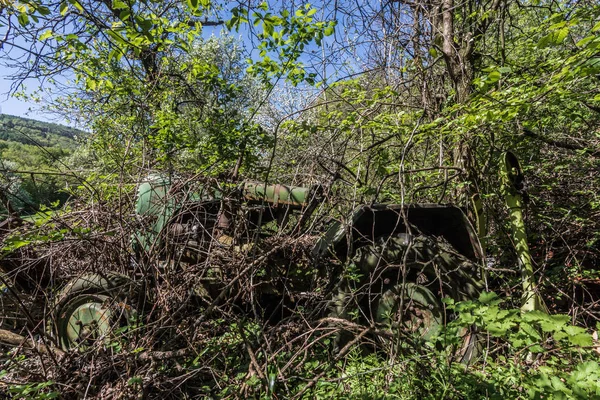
[(33, 132), (32, 156)]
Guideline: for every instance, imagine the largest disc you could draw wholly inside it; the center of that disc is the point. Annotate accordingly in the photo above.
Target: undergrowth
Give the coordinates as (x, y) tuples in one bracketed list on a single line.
[(521, 356)]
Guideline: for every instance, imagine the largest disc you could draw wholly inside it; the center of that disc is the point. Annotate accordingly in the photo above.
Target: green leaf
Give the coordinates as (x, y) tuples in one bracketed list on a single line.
[(553, 323), (268, 28), (560, 335), (560, 319), (536, 348), (583, 42), (588, 368), (328, 31), (561, 35), (193, 4), (530, 331), (125, 14), (557, 25), (119, 5), (493, 77), (136, 380), (448, 301), (63, 8), (43, 10), (46, 34), (574, 330), (534, 315), (499, 328), (118, 38), (91, 84), (23, 19), (145, 24), (487, 297), (558, 384), (543, 42), (581, 339), (78, 6)]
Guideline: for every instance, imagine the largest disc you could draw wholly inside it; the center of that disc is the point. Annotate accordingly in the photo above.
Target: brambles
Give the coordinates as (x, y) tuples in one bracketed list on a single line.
[(426, 97), (251, 295)]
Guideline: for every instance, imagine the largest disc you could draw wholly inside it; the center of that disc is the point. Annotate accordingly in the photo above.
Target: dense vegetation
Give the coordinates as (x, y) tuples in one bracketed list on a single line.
[(396, 102)]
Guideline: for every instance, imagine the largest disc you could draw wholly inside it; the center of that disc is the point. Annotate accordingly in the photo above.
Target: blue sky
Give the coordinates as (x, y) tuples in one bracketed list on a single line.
[(10, 104), (13, 106)]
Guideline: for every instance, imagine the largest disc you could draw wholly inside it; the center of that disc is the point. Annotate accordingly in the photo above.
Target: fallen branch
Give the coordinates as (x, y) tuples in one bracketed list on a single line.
[(14, 339), (165, 355)]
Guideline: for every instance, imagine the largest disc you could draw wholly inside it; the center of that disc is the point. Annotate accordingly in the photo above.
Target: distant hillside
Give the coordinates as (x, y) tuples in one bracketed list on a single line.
[(31, 154), (37, 133)]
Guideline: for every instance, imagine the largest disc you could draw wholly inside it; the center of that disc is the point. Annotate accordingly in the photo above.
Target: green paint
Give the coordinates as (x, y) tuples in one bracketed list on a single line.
[(85, 319), (156, 204), (294, 196), (155, 208)]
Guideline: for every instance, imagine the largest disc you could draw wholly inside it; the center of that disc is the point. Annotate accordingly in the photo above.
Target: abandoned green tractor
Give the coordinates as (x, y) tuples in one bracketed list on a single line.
[(387, 266)]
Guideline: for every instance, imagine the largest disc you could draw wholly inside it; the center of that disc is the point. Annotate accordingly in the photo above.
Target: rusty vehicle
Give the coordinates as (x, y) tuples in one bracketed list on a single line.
[(383, 265)]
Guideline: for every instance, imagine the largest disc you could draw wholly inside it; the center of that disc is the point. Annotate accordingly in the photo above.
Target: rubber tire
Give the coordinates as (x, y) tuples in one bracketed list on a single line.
[(113, 286), (383, 266), (409, 294)]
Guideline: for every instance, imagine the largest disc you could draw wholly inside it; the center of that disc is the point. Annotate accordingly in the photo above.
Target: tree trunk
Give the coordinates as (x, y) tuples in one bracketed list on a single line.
[(458, 54)]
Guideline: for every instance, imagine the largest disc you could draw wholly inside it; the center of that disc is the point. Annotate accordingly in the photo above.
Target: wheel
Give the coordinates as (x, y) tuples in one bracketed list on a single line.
[(410, 309), (92, 308), (405, 278)]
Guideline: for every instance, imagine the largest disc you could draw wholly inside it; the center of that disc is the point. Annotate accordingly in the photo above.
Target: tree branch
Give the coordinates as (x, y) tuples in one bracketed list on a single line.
[(561, 143)]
